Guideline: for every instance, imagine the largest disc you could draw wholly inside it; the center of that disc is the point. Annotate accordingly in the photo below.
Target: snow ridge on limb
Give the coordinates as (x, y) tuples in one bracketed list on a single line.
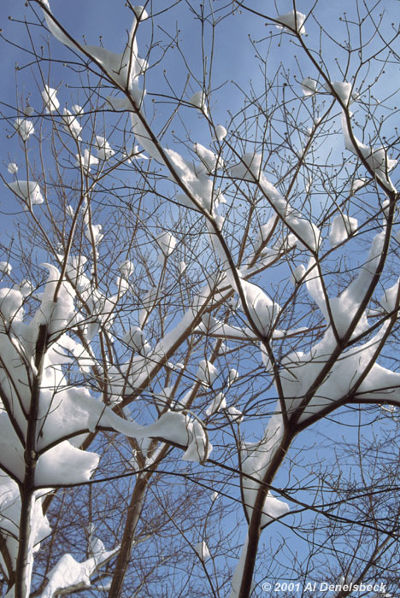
[(293, 20), (342, 228), (10, 511), (376, 158), (124, 68), (347, 373), (306, 232), (299, 370), (263, 311), (69, 575), (344, 308), (255, 458)]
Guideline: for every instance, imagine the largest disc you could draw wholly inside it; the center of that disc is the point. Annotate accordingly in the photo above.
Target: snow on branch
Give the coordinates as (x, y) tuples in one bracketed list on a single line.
[(306, 232), (69, 575), (255, 459), (376, 157)]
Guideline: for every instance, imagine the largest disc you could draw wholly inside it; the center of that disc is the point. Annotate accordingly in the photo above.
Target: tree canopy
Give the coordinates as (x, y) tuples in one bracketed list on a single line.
[(199, 365)]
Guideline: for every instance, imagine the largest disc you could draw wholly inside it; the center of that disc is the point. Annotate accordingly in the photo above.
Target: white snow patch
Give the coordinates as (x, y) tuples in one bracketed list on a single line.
[(341, 228), (50, 100), (29, 191), (293, 20), (309, 86), (202, 551), (24, 128)]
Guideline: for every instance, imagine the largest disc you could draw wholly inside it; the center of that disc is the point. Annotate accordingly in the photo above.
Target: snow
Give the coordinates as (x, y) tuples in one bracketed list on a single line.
[(376, 158), (126, 268), (238, 573), (141, 133), (263, 311), (177, 428), (249, 168), (309, 86), (148, 302), (220, 132), (255, 459), (118, 103), (11, 450), (5, 268), (24, 128), (306, 232), (93, 234), (72, 125), (80, 355), (29, 110), (10, 508), (75, 270), (342, 89), (345, 307), (140, 13), (122, 68), (234, 414), (65, 464), (55, 29), (358, 184), (70, 411), (172, 426), (104, 150), (198, 100), (65, 411), (390, 299), (135, 338), (57, 315), (210, 160), (11, 301), (199, 448), (95, 546), (298, 273), (29, 191), (203, 551), (201, 188), (206, 373), (232, 376), (26, 288), (50, 100), (293, 20), (86, 161), (219, 403), (341, 228), (137, 154), (166, 242), (220, 330), (69, 574), (77, 109), (266, 231), (12, 168), (300, 370)]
